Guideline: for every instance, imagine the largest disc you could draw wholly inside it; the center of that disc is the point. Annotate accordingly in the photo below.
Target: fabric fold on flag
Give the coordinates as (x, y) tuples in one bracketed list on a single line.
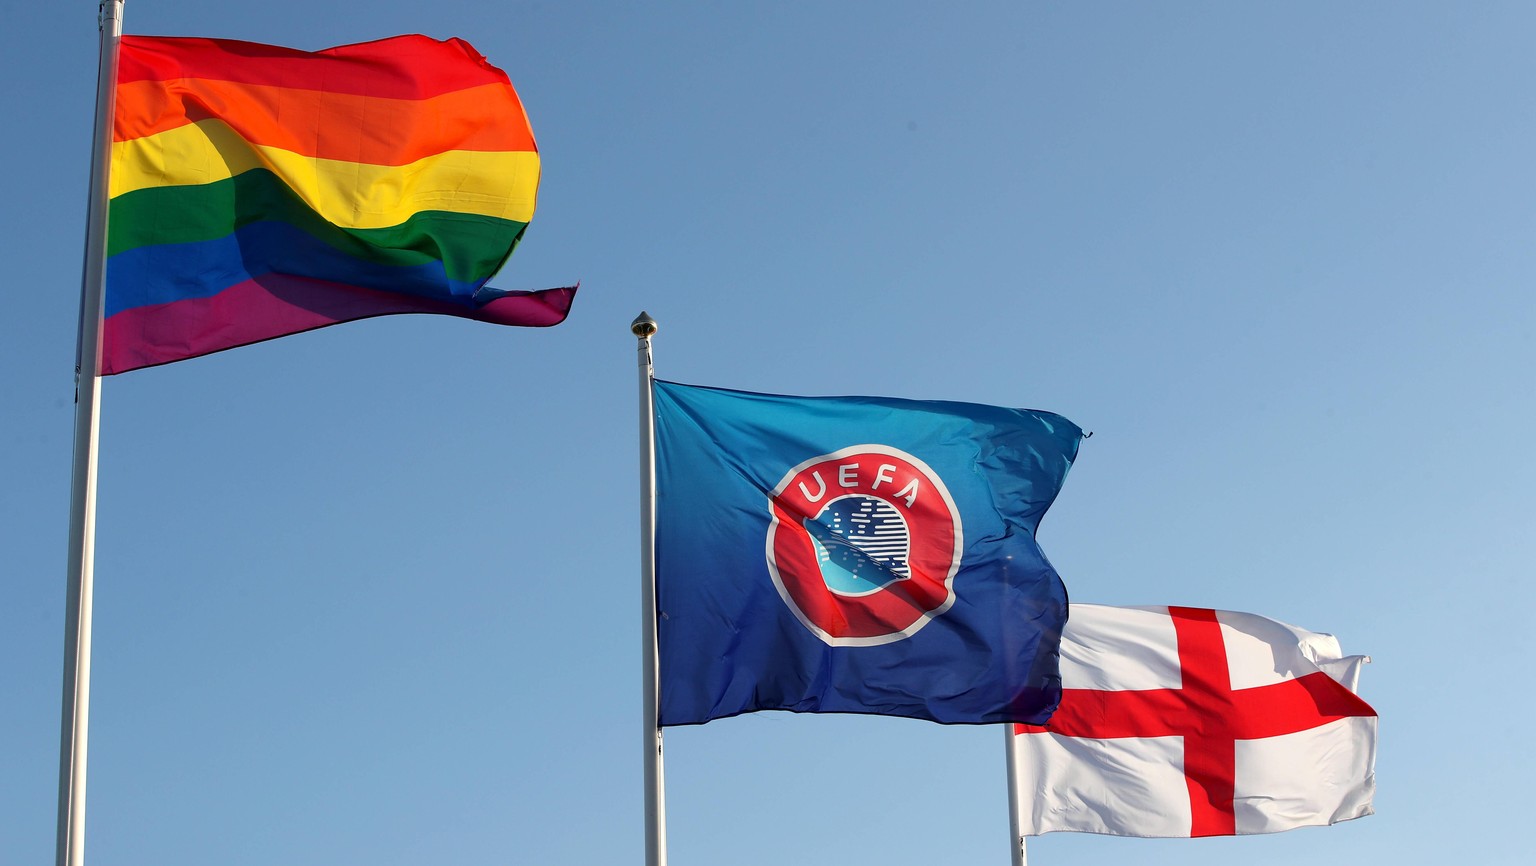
[(258, 191), (1178, 721), (855, 555)]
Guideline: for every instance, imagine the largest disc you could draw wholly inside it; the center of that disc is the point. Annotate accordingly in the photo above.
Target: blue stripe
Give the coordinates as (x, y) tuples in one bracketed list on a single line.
[(174, 272)]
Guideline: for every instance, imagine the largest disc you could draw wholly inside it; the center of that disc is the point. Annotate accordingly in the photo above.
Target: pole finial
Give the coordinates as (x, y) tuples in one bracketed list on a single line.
[(643, 326)]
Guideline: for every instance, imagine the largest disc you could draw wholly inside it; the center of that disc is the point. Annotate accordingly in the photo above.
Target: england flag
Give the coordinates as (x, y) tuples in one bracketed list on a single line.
[(1179, 721)]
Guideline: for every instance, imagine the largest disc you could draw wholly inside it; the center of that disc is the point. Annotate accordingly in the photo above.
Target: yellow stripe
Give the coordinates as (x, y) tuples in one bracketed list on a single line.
[(349, 194)]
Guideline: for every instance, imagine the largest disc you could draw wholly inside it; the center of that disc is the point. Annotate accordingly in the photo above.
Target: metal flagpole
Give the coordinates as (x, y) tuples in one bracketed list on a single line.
[(655, 784), (1015, 816), (82, 498)]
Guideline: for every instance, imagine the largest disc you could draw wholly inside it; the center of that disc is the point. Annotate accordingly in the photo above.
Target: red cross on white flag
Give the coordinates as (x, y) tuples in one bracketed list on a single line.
[(1178, 721)]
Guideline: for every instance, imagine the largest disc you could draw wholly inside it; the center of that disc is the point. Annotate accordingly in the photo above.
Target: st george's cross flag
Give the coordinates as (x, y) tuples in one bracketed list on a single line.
[(1178, 721), (855, 555)]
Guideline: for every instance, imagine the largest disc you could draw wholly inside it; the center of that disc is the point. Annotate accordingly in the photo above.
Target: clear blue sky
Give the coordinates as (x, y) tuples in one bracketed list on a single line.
[(369, 594)]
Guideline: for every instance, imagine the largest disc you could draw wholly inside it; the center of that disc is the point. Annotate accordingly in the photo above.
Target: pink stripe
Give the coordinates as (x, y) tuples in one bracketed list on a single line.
[(275, 306)]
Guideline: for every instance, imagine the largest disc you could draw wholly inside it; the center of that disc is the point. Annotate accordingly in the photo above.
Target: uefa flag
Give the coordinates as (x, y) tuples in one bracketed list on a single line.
[(855, 555)]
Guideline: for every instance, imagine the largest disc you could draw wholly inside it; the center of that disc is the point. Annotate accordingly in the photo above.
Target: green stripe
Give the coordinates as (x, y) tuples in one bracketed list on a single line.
[(471, 247)]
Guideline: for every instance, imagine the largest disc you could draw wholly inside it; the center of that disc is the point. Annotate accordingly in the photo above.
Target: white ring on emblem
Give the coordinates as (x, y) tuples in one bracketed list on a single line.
[(949, 577)]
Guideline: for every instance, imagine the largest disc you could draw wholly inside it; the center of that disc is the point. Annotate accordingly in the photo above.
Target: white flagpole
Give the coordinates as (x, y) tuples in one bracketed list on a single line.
[(655, 784), (82, 498), (1015, 816)]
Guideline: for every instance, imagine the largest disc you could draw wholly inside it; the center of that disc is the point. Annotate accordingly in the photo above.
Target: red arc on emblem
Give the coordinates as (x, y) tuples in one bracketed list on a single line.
[(902, 572)]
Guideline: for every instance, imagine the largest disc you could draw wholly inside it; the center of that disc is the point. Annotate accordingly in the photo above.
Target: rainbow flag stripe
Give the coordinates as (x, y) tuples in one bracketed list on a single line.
[(259, 191)]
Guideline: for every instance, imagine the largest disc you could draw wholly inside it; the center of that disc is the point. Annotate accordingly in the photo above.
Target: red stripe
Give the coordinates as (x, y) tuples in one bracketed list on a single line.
[(1207, 712), (1210, 760), (401, 67)]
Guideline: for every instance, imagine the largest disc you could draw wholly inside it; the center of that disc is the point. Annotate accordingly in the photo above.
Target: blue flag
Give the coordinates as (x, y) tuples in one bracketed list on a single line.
[(856, 555)]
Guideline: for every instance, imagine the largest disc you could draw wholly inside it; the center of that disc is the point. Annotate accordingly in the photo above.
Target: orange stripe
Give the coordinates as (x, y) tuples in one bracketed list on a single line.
[(340, 126)]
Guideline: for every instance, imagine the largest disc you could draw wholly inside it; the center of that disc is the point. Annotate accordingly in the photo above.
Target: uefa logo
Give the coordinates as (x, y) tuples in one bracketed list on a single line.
[(864, 544)]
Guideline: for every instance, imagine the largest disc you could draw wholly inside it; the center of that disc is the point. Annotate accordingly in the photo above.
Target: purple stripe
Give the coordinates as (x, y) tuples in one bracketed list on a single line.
[(276, 306)]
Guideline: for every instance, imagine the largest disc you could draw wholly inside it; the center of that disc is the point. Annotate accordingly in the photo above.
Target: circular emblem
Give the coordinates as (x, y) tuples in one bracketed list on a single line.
[(863, 545)]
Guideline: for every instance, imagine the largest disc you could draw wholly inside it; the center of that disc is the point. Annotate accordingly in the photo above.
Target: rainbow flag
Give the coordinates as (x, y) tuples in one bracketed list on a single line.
[(259, 191)]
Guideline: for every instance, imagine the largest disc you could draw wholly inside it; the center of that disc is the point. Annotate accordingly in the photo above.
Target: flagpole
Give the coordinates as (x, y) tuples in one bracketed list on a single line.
[(655, 784), (82, 500), (1015, 816)]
